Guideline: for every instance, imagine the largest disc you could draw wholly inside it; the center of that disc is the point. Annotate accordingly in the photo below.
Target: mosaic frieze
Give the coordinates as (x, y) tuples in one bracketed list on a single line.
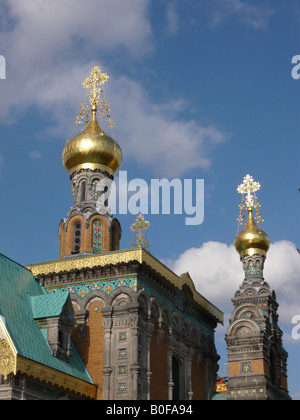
[(97, 237), (136, 284), (108, 287)]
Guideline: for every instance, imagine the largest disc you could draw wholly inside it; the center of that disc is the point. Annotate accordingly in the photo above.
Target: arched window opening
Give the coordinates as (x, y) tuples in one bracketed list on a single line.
[(83, 191), (97, 237), (76, 238)]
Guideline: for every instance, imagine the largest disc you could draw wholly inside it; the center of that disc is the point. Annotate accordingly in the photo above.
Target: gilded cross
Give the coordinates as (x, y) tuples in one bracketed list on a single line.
[(97, 98), (96, 79), (140, 240), (248, 188)]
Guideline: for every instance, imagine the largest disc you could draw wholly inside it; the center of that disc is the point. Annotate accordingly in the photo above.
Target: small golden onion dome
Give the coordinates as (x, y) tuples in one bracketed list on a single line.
[(92, 149), (252, 240)]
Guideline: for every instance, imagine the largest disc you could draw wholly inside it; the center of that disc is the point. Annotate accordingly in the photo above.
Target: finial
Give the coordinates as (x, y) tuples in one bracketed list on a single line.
[(96, 97), (248, 189), (140, 239)]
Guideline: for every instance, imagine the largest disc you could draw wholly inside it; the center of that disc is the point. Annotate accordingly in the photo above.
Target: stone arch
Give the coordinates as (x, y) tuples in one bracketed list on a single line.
[(92, 297), (144, 302), (247, 311), (264, 291), (132, 296), (242, 327)]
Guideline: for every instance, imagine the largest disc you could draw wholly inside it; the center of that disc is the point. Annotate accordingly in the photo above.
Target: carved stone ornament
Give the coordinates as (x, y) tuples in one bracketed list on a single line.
[(7, 359)]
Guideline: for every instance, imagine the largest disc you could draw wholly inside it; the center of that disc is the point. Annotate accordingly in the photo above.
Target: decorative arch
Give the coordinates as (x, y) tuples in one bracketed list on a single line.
[(247, 311), (98, 236), (121, 300), (144, 303), (125, 291), (242, 327)]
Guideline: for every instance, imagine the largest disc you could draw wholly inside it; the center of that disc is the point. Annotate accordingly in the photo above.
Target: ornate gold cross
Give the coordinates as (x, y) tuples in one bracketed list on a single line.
[(93, 82), (248, 189), (96, 97), (140, 239)]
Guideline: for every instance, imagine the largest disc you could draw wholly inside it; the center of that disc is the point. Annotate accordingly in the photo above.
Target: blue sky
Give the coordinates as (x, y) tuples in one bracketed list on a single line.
[(198, 90)]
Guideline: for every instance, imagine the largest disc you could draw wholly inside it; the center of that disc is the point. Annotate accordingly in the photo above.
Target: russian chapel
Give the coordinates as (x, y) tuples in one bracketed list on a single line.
[(105, 323), (108, 324)]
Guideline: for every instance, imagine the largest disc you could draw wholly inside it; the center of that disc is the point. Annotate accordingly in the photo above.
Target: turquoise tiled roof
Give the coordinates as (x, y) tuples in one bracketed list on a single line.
[(48, 306), (219, 397), (21, 296)]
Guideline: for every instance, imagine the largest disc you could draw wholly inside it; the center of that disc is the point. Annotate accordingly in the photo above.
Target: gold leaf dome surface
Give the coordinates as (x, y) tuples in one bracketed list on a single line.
[(252, 240), (92, 149)]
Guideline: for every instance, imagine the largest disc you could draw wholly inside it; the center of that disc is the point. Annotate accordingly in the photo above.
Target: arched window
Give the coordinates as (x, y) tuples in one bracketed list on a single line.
[(76, 238), (97, 237), (82, 191)]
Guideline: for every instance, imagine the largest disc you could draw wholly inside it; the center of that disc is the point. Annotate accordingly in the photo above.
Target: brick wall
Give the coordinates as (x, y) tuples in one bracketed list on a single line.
[(90, 348)]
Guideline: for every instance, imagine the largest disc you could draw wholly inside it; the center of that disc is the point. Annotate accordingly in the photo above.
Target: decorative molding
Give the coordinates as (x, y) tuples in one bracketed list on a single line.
[(44, 373), (124, 257), (8, 359)]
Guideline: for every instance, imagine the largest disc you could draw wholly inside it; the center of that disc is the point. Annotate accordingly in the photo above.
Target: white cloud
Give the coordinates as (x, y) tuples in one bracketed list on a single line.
[(215, 269), (50, 49), (35, 155), (172, 19), (48, 28), (47, 41), (156, 138), (256, 16), (217, 273)]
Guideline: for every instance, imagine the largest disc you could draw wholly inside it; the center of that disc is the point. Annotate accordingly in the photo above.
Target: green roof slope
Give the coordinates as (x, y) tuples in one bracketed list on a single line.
[(18, 289), (47, 306)]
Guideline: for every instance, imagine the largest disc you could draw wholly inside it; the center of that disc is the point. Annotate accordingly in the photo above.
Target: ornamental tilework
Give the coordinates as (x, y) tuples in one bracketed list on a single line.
[(122, 370), (97, 237), (122, 387), (122, 336), (123, 353), (95, 192), (254, 270), (135, 284), (246, 367), (104, 286)]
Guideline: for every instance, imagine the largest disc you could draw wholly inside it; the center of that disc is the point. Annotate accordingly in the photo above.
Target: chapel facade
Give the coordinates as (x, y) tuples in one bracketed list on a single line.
[(137, 330)]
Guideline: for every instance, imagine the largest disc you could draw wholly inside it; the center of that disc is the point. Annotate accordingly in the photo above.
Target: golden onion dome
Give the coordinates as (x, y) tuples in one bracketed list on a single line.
[(92, 149), (252, 240)]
